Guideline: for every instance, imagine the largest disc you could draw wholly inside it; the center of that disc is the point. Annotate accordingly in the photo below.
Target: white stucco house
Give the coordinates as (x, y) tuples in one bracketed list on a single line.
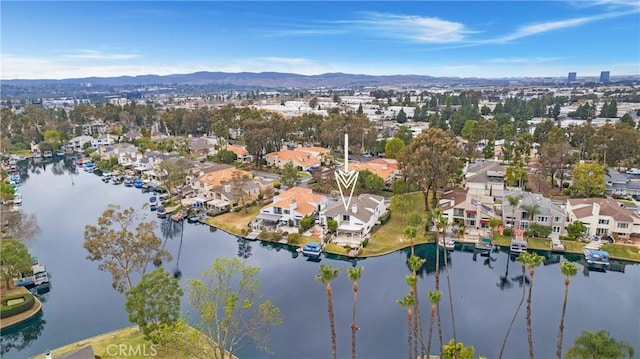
[(603, 216), (356, 222)]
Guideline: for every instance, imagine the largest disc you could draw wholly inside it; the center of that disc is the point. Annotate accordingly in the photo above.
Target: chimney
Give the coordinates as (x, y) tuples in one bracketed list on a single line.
[(227, 188), (595, 210), (354, 208), (293, 204)]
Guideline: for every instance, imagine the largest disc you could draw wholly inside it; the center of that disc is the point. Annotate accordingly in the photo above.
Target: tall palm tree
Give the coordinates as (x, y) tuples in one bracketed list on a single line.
[(434, 298), (411, 282), (515, 315), (531, 260), (568, 269), (514, 201), (415, 263), (591, 345), (408, 303), (326, 274), (493, 224), (438, 218), (443, 223), (410, 233), (354, 276)]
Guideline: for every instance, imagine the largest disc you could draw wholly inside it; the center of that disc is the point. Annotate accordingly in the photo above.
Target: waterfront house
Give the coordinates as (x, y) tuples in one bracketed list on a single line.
[(76, 144), (545, 212), (385, 168), (103, 140), (356, 222), (126, 153), (215, 186), (288, 208), (464, 209), (485, 178), (603, 216)]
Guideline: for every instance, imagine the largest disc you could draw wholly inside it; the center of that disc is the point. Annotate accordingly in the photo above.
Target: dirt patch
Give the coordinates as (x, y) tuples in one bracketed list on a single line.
[(538, 184)]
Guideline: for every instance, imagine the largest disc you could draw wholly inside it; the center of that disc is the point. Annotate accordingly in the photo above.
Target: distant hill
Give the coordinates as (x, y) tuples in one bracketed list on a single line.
[(262, 79)]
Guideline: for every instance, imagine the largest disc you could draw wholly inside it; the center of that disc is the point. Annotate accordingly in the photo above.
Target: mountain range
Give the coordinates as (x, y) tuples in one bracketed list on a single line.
[(262, 79)]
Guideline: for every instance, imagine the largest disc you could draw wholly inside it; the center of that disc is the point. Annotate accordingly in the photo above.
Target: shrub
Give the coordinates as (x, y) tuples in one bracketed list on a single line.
[(507, 232), (385, 217), (538, 231), (365, 242), (293, 238), (244, 231), (263, 234), (274, 237), (332, 225), (26, 304), (567, 238)]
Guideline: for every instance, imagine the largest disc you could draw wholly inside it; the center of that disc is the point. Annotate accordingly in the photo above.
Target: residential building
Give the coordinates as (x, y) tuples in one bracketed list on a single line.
[(288, 208), (126, 153), (95, 128), (486, 178), (621, 184), (385, 168), (543, 210), (301, 159), (603, 216), (241, 152), (103, 140), (214, 185), (201, 146), (473, 211), (356, 222), (77, 143)]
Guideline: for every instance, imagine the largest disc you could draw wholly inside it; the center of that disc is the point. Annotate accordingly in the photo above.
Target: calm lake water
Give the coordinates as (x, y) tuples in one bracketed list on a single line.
[(486, 291)]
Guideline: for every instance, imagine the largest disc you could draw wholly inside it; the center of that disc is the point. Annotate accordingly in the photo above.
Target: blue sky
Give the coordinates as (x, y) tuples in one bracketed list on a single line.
[(468, 39)]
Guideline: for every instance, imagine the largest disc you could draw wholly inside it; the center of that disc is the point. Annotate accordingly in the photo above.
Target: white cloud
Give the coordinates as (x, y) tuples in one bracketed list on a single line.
[(412, 27), (98, 55)]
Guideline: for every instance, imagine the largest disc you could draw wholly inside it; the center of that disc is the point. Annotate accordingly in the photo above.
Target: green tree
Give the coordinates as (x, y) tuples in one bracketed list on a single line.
[(415, 263), (332, 225), (515, 315), (468, 129), (575, 229), (430, 161), (408, 302), (516, 174), (326, 274), (531, 260), (531, 209), (15, 260), (239, 182), (154, 302), (455, 350), (374, 183), (568, 269), (588, 179), (289, 175), (514, 202), (231, 309), (590, 345), (305, 223), (393, 147), (354, 276), (18, 225), (494, 223), (226, 156), (404, 133), (54, 138), (172, 172), (121, 251), (401, 117)]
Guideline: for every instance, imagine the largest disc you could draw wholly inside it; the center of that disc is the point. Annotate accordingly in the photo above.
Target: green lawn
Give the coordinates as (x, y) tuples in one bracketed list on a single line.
[(390, 237), (234, 222)]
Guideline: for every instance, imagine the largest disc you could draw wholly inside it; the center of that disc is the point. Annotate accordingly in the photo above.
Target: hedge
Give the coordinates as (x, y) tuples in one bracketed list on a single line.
[(7, 311), (385, 217)]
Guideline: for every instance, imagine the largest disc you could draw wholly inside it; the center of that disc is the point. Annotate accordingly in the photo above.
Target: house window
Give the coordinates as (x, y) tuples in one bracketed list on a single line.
[(556, 229), (524, 225), (603, 221), (623, 225), (557, 219), (458, 212), (286, 211), (543, 219), (345, 217)]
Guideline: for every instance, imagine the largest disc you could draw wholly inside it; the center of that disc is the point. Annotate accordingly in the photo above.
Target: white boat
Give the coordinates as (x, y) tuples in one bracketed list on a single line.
[(448, 244), (312, 249), (17, 198), (518, 246)]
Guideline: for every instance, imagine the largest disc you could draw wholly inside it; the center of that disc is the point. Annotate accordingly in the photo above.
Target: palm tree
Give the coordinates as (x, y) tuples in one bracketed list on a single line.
[(531, 209), (568, 269), (515, 315), (326, 274), (493, 224), (514, 201), (408, 302), (416, 263), (442, 223), (591, 345), (354, 276), (410, 233), (434, 298), (531, 260)]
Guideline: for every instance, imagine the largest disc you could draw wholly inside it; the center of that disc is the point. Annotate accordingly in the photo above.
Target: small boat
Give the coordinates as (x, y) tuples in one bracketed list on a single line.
[(596, 258), (60, 152), (557, 246), (449, 244), (312, 249), (484, 246), (116, 180), (88, 167), (47, 154), (137, 183), (178, 217), (17, 198), (161, 212), (194, 219), (518, 246), (128, 181), (15, 177)]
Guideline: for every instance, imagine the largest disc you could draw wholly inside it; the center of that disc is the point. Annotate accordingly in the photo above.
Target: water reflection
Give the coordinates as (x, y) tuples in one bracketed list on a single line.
[(20, 336), (244, 248)]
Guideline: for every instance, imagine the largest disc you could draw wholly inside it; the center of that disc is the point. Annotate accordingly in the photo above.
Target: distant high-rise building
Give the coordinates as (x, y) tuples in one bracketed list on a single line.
[(571, 78), (604, 77)]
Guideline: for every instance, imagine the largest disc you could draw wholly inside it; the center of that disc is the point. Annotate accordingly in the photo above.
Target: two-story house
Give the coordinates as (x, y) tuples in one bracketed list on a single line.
[(356, 222), (126, 153), (533, 208), (473, 211), (241, 152), (603, 216), (288, 208), (76, 144), (385, 168), (301, 159), (215, 185)]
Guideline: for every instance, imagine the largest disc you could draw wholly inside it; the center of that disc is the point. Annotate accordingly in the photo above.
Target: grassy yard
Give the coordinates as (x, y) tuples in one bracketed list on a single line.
[(390, 237), (106, 346), (620, 251), (234, 222)]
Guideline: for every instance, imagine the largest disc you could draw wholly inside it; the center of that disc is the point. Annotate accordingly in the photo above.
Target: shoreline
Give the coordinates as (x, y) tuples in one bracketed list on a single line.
[(426, 241)]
